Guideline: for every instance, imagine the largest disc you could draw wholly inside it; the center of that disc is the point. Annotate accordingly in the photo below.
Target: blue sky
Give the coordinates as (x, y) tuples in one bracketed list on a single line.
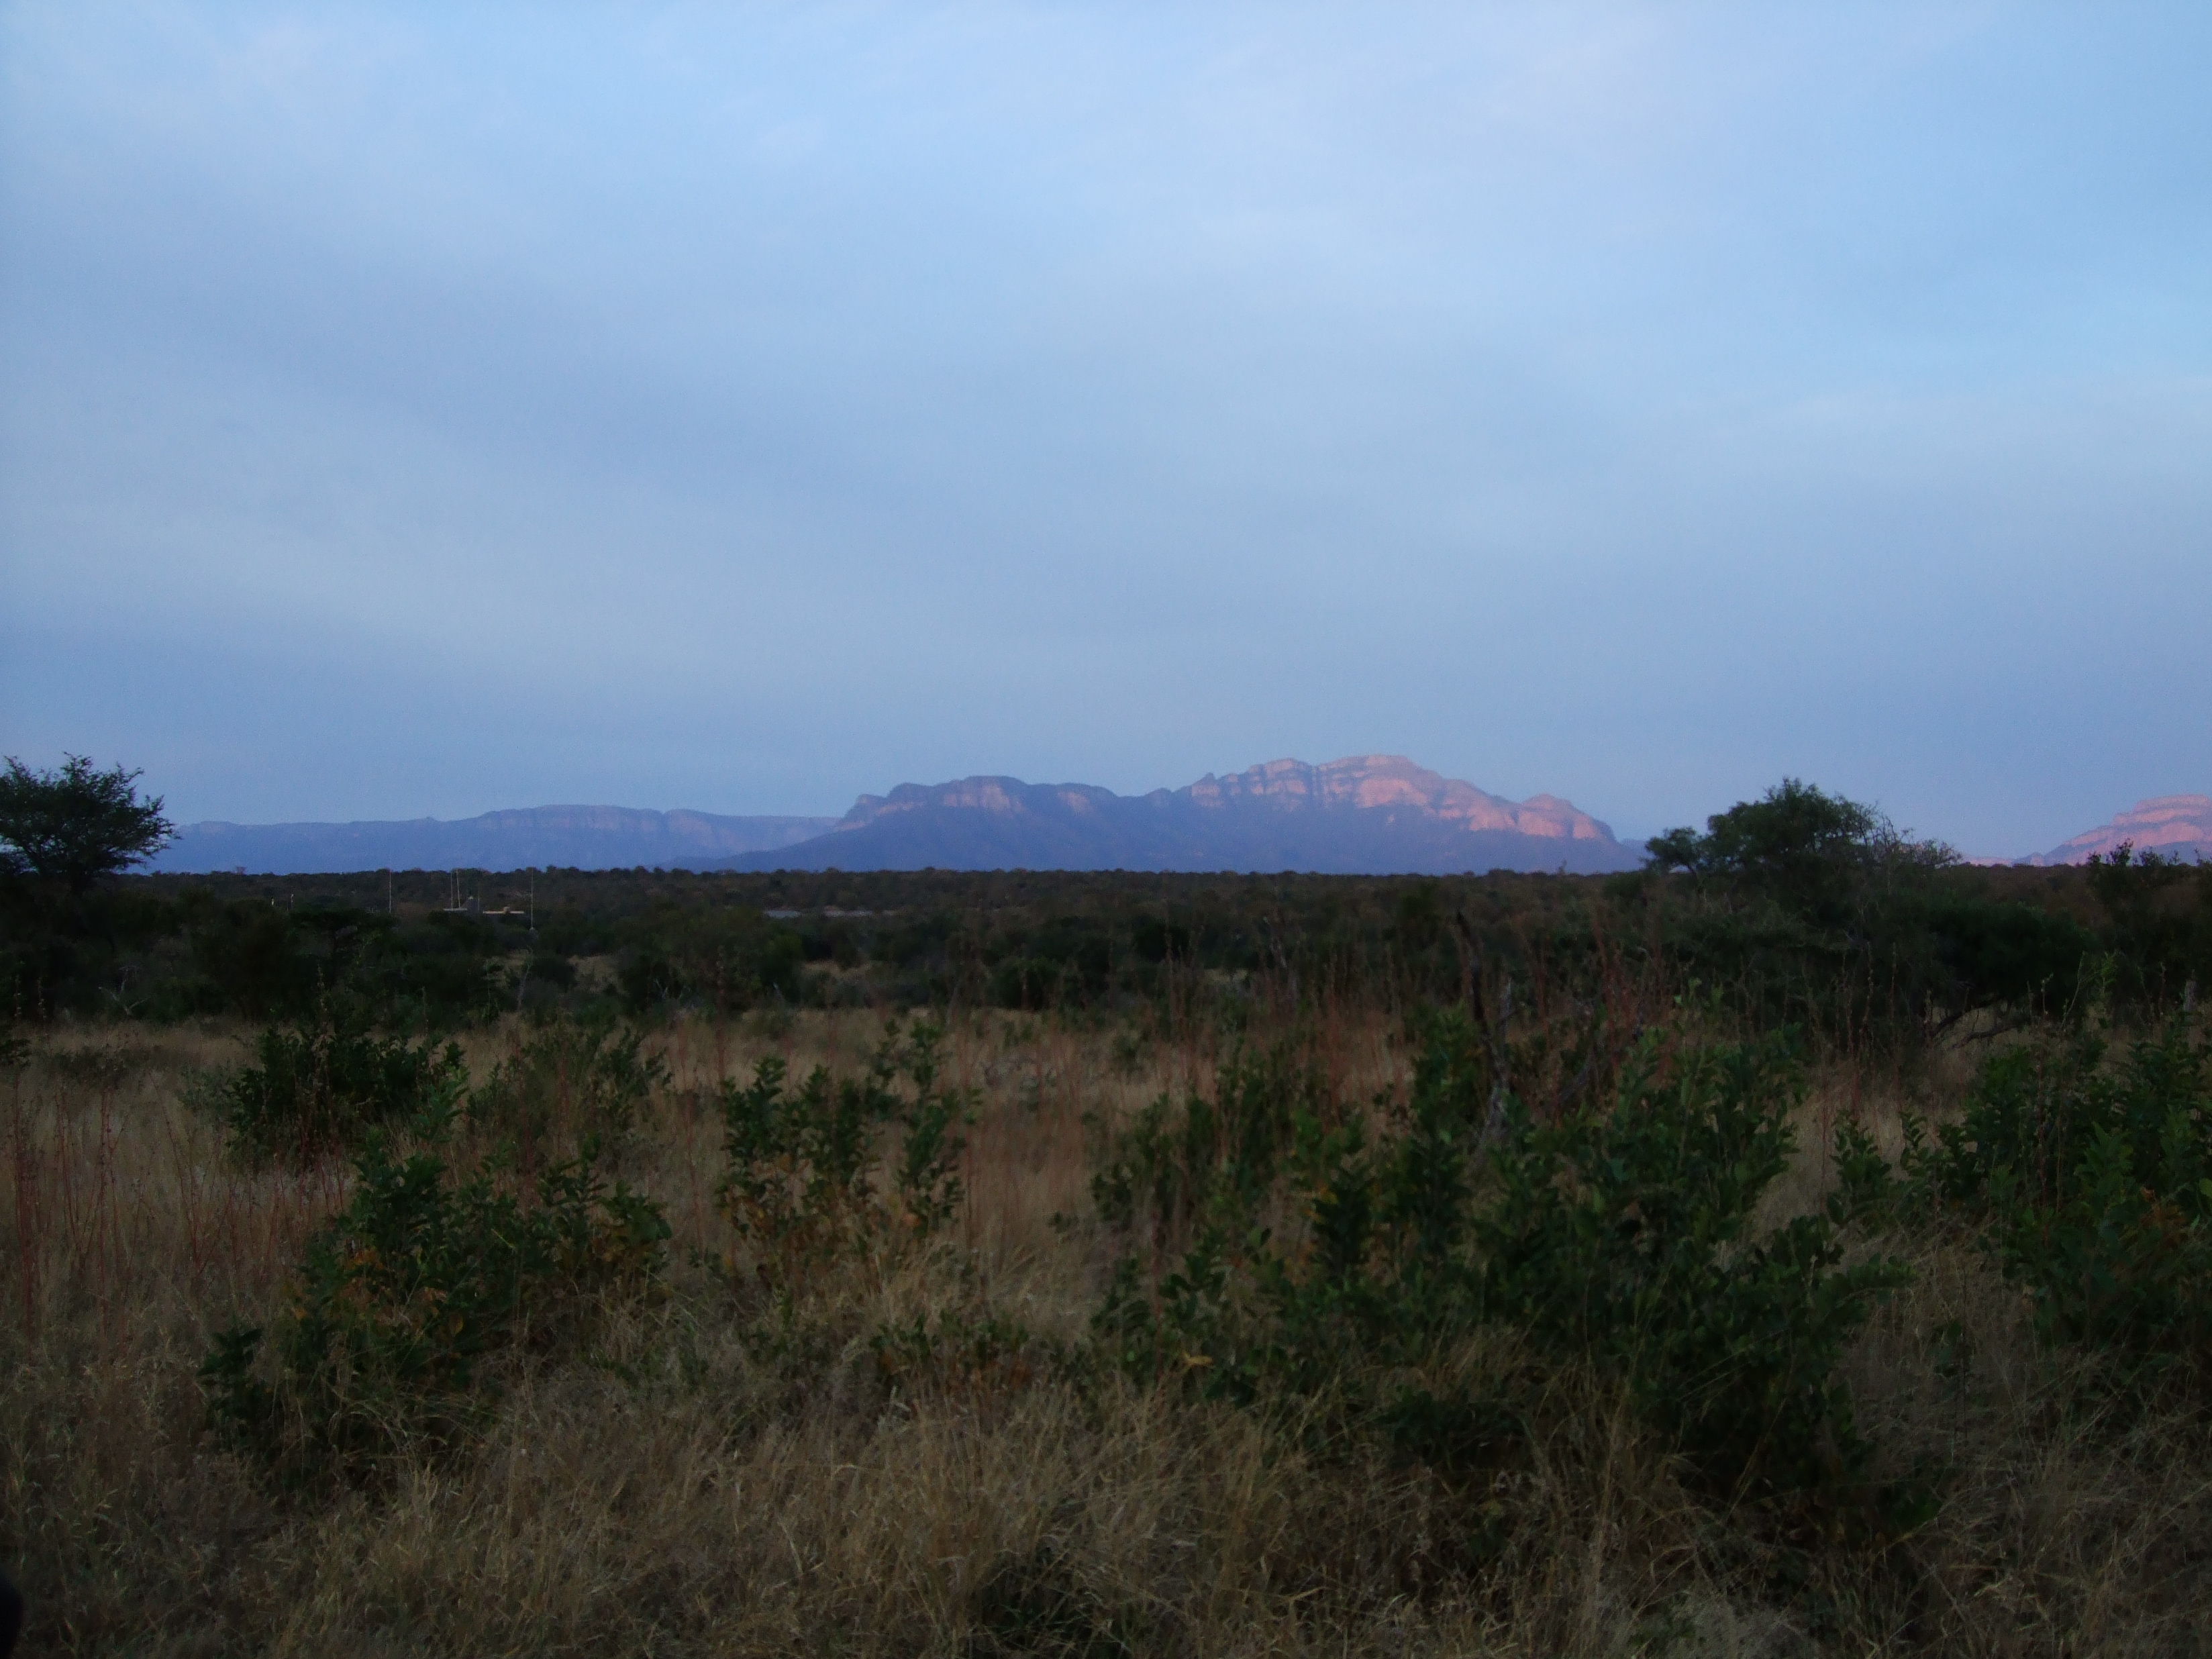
[(424, 410)]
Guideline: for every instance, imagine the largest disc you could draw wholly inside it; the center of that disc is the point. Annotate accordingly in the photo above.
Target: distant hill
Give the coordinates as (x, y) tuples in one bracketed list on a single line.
[(1367, 815), (1373, 814), (2173, 826), (584, 837)]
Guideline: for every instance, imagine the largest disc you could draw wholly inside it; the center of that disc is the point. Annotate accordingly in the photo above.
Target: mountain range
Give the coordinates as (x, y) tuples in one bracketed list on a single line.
[(1371, 814), (2173, 826), (1364, 815), (583, 837)]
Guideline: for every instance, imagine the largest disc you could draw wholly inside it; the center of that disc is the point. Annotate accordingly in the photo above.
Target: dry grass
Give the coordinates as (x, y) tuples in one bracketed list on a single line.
[(690, 1490)]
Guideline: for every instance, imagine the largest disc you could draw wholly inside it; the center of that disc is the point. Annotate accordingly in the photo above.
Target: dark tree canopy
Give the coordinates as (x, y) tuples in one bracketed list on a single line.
[(76, 825), (1802, 888), (1793, 823), (1821, 857)]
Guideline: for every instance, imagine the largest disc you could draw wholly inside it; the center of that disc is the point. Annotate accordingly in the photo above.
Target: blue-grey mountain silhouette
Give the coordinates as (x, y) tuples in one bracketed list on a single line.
[(582, 837), (1370, 814)]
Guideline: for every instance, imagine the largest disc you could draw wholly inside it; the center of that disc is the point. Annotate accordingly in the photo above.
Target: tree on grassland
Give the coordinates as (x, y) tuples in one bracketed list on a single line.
[(72, 826)]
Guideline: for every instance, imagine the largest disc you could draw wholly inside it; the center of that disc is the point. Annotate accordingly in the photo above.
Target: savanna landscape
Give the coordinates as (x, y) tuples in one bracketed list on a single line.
[(1802, 1245), (1026, 831)]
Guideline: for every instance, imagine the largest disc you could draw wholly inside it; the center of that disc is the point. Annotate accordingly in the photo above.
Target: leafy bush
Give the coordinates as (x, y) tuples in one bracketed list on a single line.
[(1978, 953), (1815, 909), (1167, 1166), (249, 958), (2161, 945), (581, 1073), (1067, 961), (724, 959), (324, 1085), (979, 1355), (403, 1298), (1617, 1238), (2095, 1181), (1625, 1234), (807, 1178)]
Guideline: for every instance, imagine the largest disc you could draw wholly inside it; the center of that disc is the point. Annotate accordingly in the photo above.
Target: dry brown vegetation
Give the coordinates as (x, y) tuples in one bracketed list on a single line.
[(688, 1486)]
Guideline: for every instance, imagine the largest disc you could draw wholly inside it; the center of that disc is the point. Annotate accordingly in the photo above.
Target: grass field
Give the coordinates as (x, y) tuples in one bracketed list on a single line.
[(709, 1475)]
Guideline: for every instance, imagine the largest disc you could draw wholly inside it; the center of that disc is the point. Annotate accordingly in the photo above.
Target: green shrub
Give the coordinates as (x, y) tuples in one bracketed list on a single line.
[(1625, 1234), (2093, 1178), (403, 1298), (726, 960), (1163, 1170), (979, 1355), (809, 1180), (1815, 910), (1617, 1239), (2161, 943), (322, 1086), (585, 1075), (248, 955)]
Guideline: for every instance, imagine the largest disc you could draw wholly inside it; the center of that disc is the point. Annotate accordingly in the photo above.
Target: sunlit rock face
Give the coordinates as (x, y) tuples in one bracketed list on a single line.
[(2173, 826), (1366, 814), (1007, 796), (1392, 782)]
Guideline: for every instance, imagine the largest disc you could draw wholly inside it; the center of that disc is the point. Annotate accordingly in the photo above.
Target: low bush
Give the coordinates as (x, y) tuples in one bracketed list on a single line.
[(1616, 1239), (2092, 1176), (402, 1299), (2158, 913), (1625, 1234), (1162, 1171), (324, 1085), (587, 1075), (977, 1354), (811, 1178)]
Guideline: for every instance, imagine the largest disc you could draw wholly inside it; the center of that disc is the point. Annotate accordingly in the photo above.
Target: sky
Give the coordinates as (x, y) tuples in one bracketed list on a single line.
[(424, 410)]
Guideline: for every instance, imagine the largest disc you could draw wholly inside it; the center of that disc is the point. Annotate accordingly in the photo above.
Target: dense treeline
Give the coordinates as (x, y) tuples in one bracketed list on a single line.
[(1800, 907), (1871, 942)]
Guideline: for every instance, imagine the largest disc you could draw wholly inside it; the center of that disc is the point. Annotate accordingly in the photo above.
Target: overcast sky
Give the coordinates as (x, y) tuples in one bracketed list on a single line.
[(425, 410)]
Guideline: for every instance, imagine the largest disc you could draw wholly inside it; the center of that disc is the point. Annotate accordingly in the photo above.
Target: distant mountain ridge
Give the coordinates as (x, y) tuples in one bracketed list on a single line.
[(2173, 826), (585, 837), (1367, 814), (1363, 815)]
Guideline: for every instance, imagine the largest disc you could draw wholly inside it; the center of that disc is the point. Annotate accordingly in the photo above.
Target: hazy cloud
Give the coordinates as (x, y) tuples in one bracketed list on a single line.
[(431, 408)]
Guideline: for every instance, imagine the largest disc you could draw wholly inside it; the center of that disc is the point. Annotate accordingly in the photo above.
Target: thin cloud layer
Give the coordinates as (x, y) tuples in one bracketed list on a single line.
[(426, 410)]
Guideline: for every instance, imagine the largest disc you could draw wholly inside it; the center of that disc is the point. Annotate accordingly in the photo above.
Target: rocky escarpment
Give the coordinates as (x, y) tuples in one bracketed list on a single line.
[(2173, 826), (1391, 783), (1369, 814)]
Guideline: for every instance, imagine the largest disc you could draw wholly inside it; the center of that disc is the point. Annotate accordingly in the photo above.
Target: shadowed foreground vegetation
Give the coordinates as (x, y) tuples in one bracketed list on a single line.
[(1764, 1258)]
